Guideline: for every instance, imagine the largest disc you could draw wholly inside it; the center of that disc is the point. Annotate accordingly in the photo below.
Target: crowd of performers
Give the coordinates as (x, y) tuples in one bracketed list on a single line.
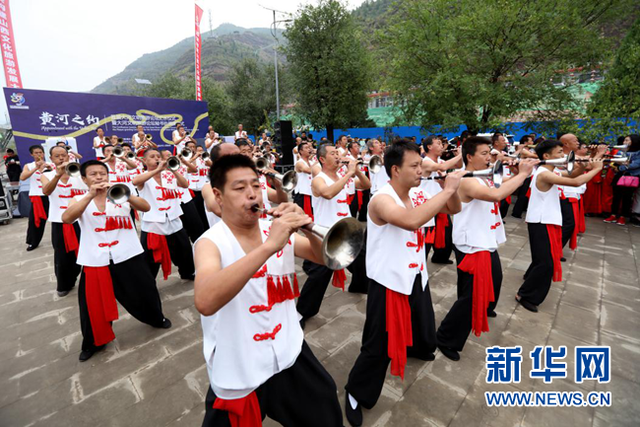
[(231, 229)]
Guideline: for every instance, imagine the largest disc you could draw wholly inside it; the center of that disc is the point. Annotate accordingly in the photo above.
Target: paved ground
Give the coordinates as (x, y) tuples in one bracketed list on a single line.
[(150, 377)]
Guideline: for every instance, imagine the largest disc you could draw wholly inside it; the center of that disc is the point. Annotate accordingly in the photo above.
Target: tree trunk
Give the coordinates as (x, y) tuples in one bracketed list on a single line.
[(330, 133)]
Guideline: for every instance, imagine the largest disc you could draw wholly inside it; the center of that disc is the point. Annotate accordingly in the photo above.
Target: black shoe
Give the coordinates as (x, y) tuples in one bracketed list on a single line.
[(526, 304), (354, 416), (303, 322), (517, 216), (449, 353), (87, 354), (166, 323), (30, 248), (492, 314), (563, 259), (428, 357), (63, 293), (192, 277), (446, 262)]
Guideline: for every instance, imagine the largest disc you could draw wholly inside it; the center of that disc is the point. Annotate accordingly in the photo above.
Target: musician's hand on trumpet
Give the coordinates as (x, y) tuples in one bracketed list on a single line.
[(283, 227), (96, 189), (453, 180), (285, 208), (61, 169)]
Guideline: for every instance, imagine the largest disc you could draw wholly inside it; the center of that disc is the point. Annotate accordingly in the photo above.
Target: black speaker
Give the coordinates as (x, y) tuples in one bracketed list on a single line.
[(284, 138)]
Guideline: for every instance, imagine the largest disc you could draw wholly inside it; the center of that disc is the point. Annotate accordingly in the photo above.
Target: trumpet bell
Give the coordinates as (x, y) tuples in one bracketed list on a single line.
[(205, 156), (186, 154), (173, 163), (73, 169), (375, 164), (262, 163), (130, 155), (149, 136), (118, 194), (289, 181), (118, 152), (341, 243)]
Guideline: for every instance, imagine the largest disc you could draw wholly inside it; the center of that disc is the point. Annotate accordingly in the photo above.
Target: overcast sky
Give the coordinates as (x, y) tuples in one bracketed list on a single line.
[(74, 45)]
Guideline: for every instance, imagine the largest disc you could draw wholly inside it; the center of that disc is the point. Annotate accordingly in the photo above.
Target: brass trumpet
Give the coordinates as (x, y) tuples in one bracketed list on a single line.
[(186, 154), (120, 140), (148, 136), (289, 180), (118, 152), (173, 163), (73, 169), (205, 156), (341, 243), (118, 194), (67, 147), (374, 164), (495, 172), (262, 163), (130, 155)]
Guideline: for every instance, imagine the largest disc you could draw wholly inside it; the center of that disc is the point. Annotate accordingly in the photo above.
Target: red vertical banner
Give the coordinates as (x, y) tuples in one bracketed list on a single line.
[(8, 47), (198, 46)]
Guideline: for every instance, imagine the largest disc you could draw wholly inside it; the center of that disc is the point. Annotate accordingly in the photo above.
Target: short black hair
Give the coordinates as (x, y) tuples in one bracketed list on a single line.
[(546, 146), (192, 141), (125, 144), (426, 143), (10, 150), (351, 144), (242, 142), (61, 142), (301, 146), (35, 147), (218, 174), (470, 146), (635, 143), (464, 135), (525, 138), (85, 165), (394, 154), (496, 136)]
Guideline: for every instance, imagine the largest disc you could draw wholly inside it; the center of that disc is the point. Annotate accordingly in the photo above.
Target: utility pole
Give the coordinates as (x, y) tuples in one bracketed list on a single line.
[(274, 33), (210, 25)]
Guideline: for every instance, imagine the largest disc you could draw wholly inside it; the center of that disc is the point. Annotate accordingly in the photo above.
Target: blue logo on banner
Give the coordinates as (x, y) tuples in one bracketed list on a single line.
[(593, 363)]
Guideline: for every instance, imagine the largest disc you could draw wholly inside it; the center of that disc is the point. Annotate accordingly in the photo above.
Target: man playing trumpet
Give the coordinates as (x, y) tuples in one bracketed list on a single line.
[(112, 261)]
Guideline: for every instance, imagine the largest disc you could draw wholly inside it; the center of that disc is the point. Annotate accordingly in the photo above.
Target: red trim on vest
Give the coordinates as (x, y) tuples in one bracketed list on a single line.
[(350, 198), (104, 245), (70, 238), (268, 335), (573, 243), (555, 244), (582, 225), (38, 210), (192, 193), (529, 193), (359, 193), (398, 319), (161, 255), (75, 192), (431, 235), (479, 265), (278, 291), (339, 278), (116, 223), (244, 412), (101, 303), (508, 200), (442, 221)]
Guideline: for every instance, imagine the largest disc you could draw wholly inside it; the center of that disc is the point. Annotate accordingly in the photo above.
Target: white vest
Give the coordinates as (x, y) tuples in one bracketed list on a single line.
[(266, 204), (35, 186), (59, 199), (327, 212), (239, 356), (420, 195), (394, 255), (98, 150), (544, 207), (432, 185), (479, 224), (198, 179), (170, 180), (164, 201), (108, 235), (304, 181), (378, 180)]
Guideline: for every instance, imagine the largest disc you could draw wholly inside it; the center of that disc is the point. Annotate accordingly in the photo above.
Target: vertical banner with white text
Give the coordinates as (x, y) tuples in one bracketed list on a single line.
[(8, 47), (198, 45)]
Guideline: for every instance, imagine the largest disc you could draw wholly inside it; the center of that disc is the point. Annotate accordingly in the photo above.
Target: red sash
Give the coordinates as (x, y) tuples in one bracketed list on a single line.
[(442, 221), (529, 193), (359, 193), (307, 205), (192, 193), (430, 237), (38, 210), (244, 412), (70, 238), (555, 243), (398, 313), (339, 277), (158, 244), (350, 198), (582, 225), (573, 243), (101, 303), (479, 264), (508, 200)]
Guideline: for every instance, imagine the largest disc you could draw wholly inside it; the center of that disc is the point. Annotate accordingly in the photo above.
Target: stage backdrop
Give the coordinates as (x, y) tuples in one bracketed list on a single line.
[(37, 115)]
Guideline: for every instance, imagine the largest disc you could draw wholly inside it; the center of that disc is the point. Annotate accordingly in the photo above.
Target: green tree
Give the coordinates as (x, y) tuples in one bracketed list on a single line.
[(615, 108), (479, 63), (252, 93), (329, 65)]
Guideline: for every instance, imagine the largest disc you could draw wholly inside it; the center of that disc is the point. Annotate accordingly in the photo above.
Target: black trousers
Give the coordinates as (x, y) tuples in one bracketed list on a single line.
[(504, 208), (191, 220), (362, 214), (456, 326), (318, 278), (368, 373), (135, 289), (622, 199), (568, 221), (180, 250), (304, 395), (538, 278), (64, 263), (441, 255), (34, 234), (198, 202), (522, 202)]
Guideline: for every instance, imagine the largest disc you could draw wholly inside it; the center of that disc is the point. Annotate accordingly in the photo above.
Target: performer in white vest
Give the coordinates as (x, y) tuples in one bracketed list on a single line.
[(544, 222), (119, 168), (211, 206), (303, 167), (330, 205), (432, 163), (98, 142), (271, 188), (257, 360), (112, 261), (61, 188), (198, 178), (400, 320), (380, 179), (39, 202), (477, 232), (162, 235), (179, 137)]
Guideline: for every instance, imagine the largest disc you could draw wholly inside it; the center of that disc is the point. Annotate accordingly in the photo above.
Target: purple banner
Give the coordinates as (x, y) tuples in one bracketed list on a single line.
[(38, 115)]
